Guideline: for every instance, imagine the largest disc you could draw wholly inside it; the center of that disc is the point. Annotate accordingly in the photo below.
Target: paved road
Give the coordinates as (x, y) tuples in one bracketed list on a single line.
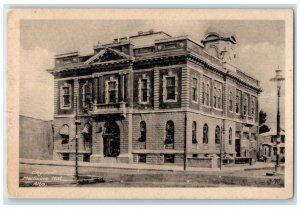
[(45, 175)]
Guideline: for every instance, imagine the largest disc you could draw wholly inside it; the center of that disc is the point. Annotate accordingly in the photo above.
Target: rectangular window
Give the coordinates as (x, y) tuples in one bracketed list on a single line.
[(170, 88), (112, 92), (195, 155), (219, 98), (87, 95), (230, 102), (238, 102), (65, 156), (245, 105), (142, 158), (144, 90), (215, 97), (252, 107), (194, 89), (207, 94), (66, 97), (203, 93), (169, 158)]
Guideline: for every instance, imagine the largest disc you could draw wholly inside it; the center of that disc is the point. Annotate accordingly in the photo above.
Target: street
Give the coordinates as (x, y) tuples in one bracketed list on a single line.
[(63, 176)]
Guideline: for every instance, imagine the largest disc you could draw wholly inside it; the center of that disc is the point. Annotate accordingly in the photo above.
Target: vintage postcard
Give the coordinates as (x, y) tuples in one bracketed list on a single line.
[(150, 104)]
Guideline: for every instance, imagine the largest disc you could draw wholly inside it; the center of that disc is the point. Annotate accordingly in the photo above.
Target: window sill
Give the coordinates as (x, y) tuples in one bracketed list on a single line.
[(218, 109), (170, 101), (65, 108), (143, 103)]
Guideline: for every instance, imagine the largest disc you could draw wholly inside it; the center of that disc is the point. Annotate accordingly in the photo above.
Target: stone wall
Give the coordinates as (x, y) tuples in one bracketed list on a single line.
[(36, 138)]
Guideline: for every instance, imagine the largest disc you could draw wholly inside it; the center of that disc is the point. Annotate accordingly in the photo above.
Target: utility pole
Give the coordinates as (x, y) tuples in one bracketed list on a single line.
[(77, 122), (278, 78)]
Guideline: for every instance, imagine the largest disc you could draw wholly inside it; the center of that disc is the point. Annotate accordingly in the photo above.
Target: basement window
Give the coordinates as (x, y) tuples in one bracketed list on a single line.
[(65, 156), (169, 158), (142, 158)]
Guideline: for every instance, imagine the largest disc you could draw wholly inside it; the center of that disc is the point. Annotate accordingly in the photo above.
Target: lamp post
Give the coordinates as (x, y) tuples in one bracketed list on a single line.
[(278, 78), (77, 122)]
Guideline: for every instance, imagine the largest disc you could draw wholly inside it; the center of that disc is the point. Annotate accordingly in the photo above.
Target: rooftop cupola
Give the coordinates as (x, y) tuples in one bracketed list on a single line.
[(220, 46)]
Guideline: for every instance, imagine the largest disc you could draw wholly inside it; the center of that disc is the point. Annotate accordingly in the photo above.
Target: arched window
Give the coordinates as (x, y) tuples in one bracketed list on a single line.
[(217, 135), (194, 133), (87, 133), (170, 132), (230, 136), (205, 134), (64, 132), (143, 131)]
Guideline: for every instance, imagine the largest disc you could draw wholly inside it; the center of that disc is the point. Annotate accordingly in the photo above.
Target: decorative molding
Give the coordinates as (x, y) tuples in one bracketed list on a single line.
[(140, 92), (170, 74), (62, 105)]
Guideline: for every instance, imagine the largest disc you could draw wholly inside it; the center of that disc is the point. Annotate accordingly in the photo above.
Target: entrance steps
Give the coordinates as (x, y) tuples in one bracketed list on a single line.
[(109, 160)]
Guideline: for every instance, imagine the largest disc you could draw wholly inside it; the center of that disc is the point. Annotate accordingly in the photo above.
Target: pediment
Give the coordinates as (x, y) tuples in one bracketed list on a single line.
[(108, 55)]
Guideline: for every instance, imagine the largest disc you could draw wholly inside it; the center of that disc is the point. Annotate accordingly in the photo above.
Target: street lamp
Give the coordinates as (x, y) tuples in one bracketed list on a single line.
[(278, 79), (77, 122)]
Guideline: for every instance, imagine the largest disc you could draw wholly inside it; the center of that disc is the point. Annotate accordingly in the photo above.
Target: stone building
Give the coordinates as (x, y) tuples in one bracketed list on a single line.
[(155, 99)]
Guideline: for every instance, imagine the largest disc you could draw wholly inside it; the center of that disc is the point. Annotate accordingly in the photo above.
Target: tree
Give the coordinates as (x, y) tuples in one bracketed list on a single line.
[(262, 119)]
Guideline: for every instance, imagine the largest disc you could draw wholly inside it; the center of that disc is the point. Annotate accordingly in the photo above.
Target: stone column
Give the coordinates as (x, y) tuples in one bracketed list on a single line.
[(100, 87), (97, 148)]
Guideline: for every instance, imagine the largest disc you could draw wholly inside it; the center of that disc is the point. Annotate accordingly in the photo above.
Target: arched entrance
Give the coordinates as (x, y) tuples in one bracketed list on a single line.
[(111, 140)]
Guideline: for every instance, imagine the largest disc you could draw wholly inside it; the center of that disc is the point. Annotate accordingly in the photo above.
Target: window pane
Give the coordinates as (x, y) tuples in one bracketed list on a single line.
[(144, 95), (112, 96), (144, 84), (66, 101), (170, 132), (87, 89), (171, 81), (66, 90), (195, 82), (170, 92), (112, 85), (194, 94), (217, 135)]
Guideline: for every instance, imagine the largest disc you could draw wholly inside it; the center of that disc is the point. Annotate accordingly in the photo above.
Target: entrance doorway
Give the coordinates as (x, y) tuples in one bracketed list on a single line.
[(111, 140), (238, 147)]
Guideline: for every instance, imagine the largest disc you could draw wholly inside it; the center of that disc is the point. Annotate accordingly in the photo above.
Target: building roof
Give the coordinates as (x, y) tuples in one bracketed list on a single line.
[(273, 133), (150, 39)]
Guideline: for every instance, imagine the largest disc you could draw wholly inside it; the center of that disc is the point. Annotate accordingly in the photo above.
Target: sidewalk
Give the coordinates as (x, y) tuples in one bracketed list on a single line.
[(256, 166), (61, 173)]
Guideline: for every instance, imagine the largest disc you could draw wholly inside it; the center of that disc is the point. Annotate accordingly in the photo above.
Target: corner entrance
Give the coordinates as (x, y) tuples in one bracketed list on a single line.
[(111, 140)]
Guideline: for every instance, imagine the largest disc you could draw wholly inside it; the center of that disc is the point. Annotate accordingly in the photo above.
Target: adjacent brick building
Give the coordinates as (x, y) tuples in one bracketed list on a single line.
[(155, 99)]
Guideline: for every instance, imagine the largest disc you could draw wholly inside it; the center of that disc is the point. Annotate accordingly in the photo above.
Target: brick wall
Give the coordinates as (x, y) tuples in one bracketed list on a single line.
[(211, 147), (156, 127)]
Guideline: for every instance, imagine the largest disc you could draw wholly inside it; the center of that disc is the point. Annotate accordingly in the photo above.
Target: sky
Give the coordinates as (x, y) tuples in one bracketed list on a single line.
[(259, 49)]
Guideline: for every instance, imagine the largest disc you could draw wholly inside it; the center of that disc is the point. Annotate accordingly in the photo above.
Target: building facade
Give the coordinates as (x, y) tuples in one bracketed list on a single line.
[(268, 145), (155, 99)]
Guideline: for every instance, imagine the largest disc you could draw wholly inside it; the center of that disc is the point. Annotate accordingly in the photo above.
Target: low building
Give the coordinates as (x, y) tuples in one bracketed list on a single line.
[(156, 99), (268, 147)]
